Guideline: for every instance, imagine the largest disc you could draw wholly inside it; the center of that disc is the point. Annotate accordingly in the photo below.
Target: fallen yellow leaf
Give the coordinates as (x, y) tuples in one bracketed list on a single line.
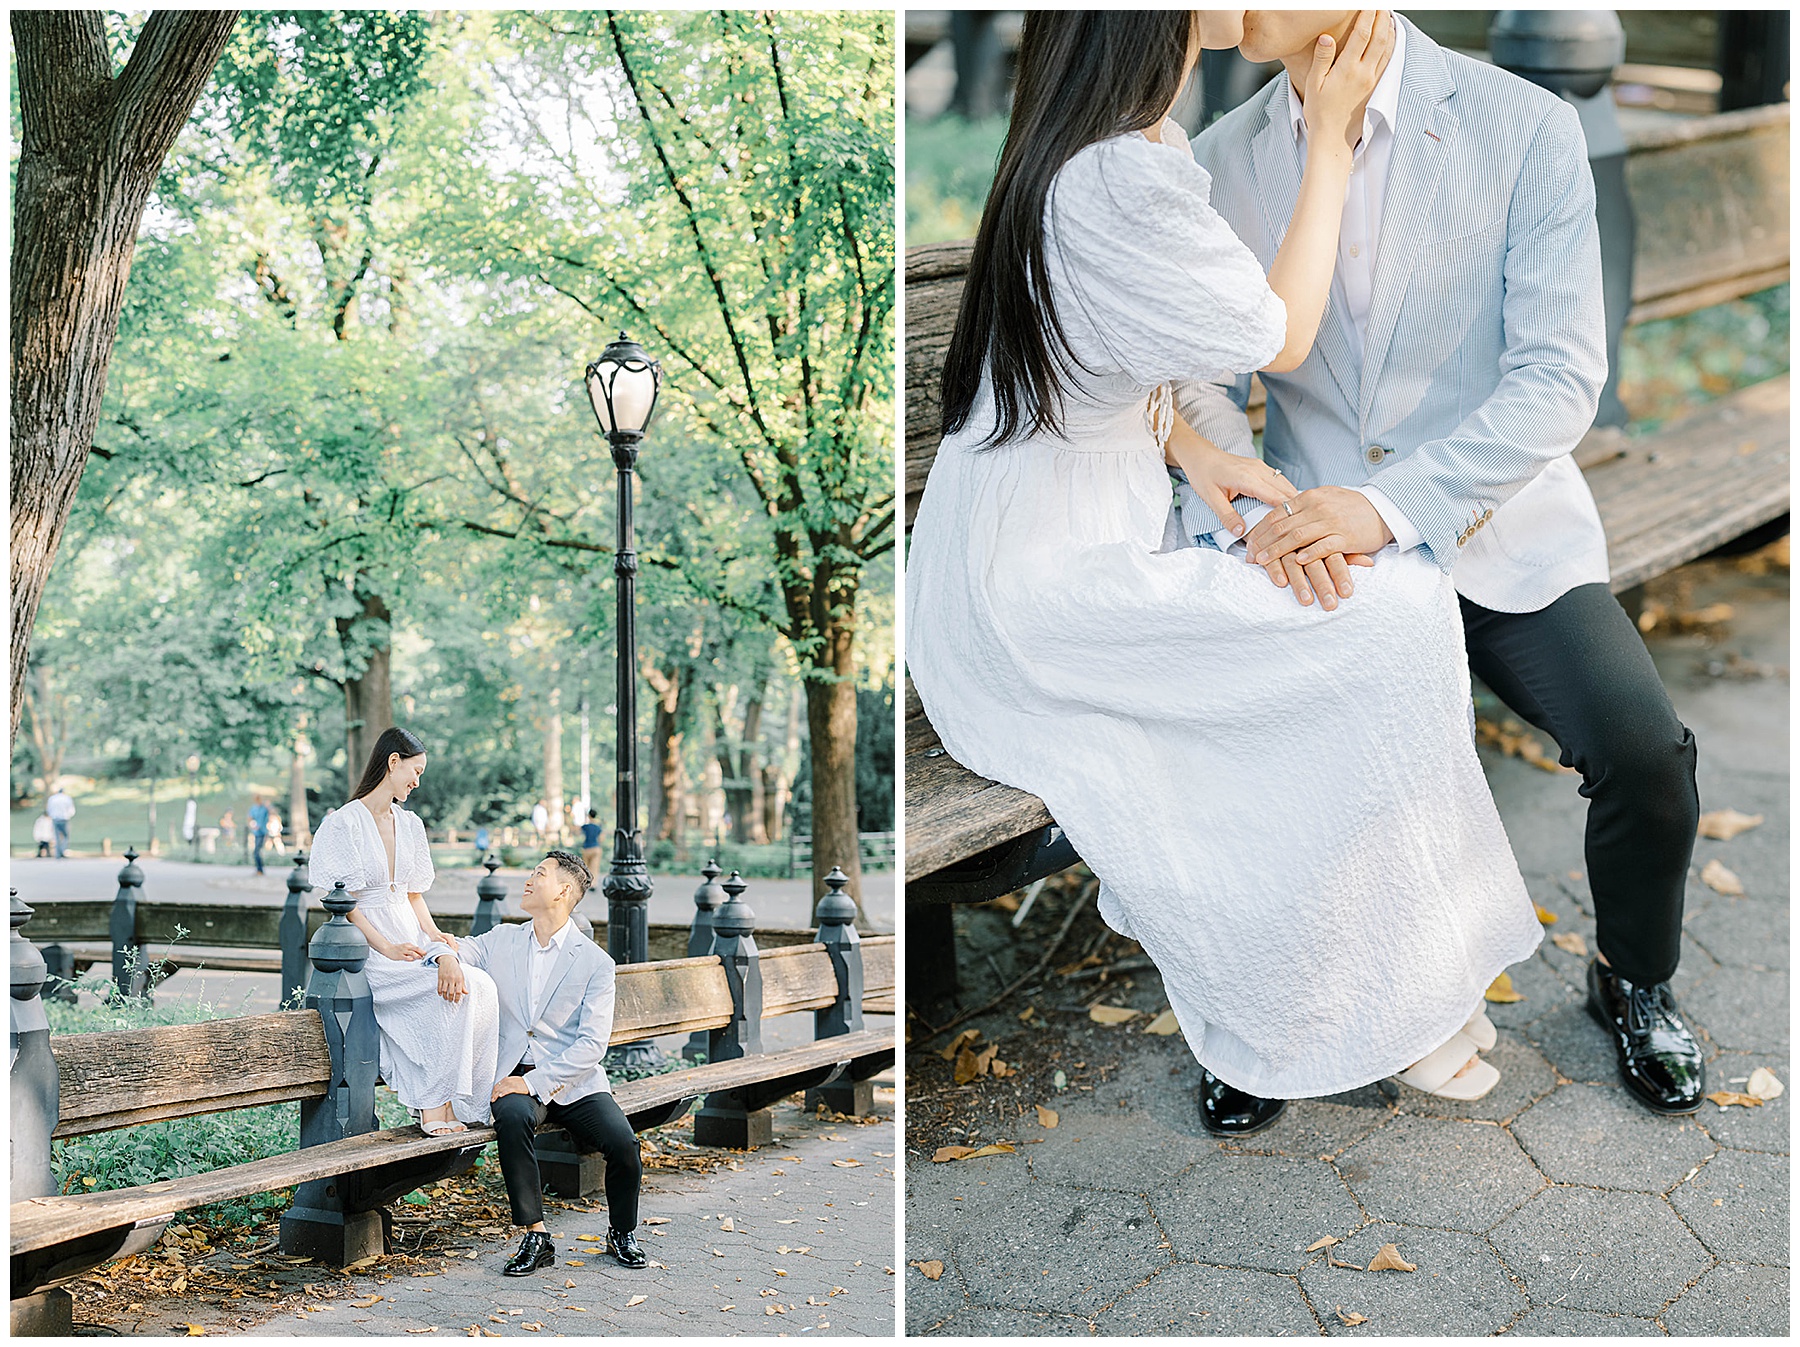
[(1352, 1319), (847, 1164), (1164, 1024), (956, 1044), (195, 1331), (998, 1148), (945, 1154), (1724, 824), (1323, 1242), (592, 1239), (1545, 915), (1111, 1014), (1721, 880), (365, 1302), (1387, 1259), (1726, 1098), (1570, 942), (636, 1300), (1501, 992), (932, 1268), (1047, 1117), (1764, 1084)]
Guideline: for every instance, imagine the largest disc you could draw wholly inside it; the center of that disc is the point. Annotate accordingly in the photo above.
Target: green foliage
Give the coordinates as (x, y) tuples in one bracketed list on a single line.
[(949, 168), (1675, 364)]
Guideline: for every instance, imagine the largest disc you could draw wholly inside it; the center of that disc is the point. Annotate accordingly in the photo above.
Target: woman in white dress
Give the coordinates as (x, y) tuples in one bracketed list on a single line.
[(1282, 800), (437, 1053)]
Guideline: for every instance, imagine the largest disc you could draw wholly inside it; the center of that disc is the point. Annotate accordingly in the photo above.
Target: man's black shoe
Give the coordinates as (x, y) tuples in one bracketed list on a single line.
[(1658, 1057), (537, 1251), (623, 1246), (1230, 1112)]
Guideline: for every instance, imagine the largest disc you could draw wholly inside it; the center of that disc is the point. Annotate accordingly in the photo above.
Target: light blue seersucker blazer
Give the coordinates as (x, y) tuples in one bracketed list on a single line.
[(577, 1013), (1485, 350)]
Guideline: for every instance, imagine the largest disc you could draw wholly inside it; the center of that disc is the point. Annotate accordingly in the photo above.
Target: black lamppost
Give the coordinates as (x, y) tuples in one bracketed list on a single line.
[(622, 386)]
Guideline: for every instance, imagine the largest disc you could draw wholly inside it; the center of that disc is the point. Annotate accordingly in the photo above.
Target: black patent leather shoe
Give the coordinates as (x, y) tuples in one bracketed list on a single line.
[(1229, 1112), (623, 1246), (537, 1251), (1658, 1058)]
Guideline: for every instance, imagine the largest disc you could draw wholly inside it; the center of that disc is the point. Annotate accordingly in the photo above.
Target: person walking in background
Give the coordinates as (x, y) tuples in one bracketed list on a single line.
[(61, 809), (228, 828), (483, 840), (43, 832), (540, 821), (259, 829), (590, 844), (275, 833)]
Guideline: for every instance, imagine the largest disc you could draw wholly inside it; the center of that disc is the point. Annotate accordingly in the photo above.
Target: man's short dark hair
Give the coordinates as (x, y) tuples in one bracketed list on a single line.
[(570, 864), (592, 814)]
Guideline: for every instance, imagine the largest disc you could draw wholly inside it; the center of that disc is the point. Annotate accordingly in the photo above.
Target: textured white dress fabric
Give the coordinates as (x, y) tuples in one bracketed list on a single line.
[(1283, 804), (432, 1051)]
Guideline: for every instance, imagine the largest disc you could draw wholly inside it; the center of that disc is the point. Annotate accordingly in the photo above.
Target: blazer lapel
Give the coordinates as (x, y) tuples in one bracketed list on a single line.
[(1423, 137), (1276, 155), (565, 960)]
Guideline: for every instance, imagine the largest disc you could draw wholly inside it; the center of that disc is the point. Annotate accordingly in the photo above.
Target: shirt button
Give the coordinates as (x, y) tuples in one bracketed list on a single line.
[(1355, 251), (1376, 453)]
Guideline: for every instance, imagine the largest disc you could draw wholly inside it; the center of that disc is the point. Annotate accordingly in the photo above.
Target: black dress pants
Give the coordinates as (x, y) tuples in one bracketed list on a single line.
[(597, 1123), (1578, 670)]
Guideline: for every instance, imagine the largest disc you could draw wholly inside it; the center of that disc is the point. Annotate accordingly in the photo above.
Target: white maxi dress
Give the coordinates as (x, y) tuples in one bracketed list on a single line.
[(432, 1051), (1283, 804)]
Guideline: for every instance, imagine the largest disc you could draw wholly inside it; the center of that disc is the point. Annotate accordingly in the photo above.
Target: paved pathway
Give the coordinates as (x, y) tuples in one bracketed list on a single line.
[(1556, 1206), (795, 1238)]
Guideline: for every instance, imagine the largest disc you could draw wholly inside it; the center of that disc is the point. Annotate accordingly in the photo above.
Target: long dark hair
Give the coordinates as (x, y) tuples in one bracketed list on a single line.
[(1085, 75), (392, 740)]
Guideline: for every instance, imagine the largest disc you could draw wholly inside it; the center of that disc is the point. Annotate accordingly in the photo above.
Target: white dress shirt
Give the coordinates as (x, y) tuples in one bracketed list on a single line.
[(543, 962), (1359, 236)]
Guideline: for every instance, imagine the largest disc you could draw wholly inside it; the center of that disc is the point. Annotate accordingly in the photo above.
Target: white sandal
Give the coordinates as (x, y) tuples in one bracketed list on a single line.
[(1480, 1030), (1436, 1073)]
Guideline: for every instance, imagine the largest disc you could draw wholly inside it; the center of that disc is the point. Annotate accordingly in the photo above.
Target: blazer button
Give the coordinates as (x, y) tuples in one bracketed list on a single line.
[(1489, 515), (1376, 453)]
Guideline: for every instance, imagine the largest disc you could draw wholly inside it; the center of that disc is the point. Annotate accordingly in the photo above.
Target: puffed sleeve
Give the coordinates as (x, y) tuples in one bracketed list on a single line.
[(334, 856), (1147, 270), (420, 874)]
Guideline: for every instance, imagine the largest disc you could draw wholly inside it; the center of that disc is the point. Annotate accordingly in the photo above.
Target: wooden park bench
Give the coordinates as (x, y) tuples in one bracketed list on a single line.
[(326, 1056), (77, 933), (1711, 199)]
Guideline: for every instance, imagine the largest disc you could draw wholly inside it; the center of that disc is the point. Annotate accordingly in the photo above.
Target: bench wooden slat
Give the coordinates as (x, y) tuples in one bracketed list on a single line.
[(878, 971), (42, 1221), (797, 978), (951, 813), (674, 997), (1734, 450), (177, 1070)]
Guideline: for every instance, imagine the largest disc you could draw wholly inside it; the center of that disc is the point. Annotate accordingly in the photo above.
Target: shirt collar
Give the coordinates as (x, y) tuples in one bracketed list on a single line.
[(557, 941), (1384, 103)]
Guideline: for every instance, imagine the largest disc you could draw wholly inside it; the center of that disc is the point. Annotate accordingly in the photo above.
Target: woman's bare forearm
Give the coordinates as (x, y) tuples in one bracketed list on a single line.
[(1308, 256)]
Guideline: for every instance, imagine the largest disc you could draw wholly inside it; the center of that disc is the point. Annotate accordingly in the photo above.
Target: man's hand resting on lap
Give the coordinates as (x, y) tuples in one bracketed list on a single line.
[(1331, 529), (509, 1085)]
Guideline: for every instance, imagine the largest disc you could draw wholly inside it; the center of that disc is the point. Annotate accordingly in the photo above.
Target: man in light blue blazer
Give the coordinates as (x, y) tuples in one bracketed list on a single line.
[(556, 1016), (1459, 362)]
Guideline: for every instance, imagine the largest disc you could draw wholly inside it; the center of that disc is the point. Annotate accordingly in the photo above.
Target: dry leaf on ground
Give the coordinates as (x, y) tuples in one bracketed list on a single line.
[(1513, 740), (1570, 942), (194, 1330), (847, 1164), (956, 1044), (1164, 1024), (1724, 824), (1047, 1117), (636, 1300), (933, 1268), (1323, 1242), (1111, 1014), (945, 1154), (367, 1301), (1721, 880), (1352, 1319), (1544, 914), (1501, 991), (1726, 1098), (724, 1225), (1338, 1262), (1764, 1084), (1387, 1259)]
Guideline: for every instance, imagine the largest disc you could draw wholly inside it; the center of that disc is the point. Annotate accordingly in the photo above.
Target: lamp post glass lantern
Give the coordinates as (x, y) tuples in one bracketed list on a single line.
[(622, 386)]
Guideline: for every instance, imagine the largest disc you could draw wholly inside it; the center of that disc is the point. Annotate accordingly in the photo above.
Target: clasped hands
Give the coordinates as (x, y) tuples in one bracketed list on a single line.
[(1307, 545)]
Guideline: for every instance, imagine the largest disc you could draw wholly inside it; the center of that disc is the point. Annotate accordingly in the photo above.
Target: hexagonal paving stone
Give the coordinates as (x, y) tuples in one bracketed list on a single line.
[(1255, 1211), (928, 1302), (987, 1321), (1574, 1043), (1541, 991), (1733, 1300), (1191, 1300), (1747, 1129), (1065, 1250), (1122, 1150), (1741, 1010), (1568, 965), (1738, 1205), (1743, 933), (1601, 1136), (1458, 1285), (1525, 1076), (1558, 1321), (1595, 1250), (1436, 1171), (1695, 967), (1308, 1128)]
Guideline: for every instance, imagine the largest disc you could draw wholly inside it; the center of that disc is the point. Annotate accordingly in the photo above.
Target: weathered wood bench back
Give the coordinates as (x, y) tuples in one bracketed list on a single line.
[(1711, 199)]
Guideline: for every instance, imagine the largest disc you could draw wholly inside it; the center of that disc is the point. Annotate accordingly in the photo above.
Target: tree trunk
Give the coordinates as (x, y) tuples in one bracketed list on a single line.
[(91, 146), (667, 804), (778, 776), (299, 817), (756, 823), (831, 724), (49, 728), (368, 695), (553, 782)]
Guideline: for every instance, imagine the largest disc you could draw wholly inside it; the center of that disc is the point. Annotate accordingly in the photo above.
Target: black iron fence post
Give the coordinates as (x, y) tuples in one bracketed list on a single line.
[(130, 967), (708, 899), (32, 1120), (490, 898), (294, 965), (837, 932), (724, 1120)]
